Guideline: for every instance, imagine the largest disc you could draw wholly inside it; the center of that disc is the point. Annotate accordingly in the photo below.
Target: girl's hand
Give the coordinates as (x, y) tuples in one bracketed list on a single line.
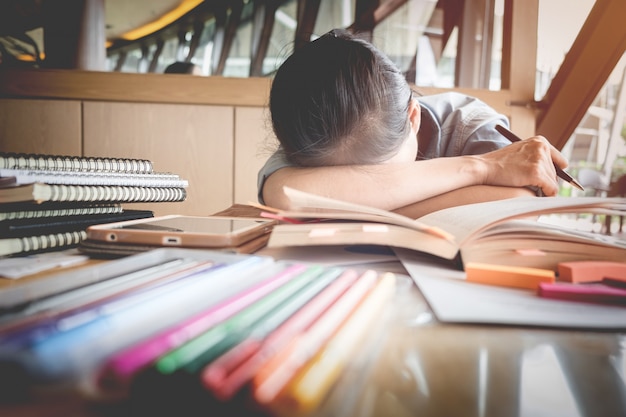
[(526, 163)]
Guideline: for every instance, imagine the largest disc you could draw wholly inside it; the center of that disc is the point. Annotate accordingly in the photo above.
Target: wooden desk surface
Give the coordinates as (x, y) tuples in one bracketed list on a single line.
[(412, 365)]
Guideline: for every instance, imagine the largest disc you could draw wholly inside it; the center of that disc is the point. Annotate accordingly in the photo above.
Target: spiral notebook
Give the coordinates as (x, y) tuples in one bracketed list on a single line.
[(42, 192), (153, 179), (57, 224), (13, 160), (59, 178)]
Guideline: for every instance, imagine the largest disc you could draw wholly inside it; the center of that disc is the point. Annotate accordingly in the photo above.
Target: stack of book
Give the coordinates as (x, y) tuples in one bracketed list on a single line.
[(47, 201)]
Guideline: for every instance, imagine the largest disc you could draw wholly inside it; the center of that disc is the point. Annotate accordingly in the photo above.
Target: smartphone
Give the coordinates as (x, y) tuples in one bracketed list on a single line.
[(183, 231)]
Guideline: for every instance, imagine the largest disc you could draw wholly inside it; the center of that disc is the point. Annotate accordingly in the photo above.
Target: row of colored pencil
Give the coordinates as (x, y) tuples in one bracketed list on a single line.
[(200, 333)]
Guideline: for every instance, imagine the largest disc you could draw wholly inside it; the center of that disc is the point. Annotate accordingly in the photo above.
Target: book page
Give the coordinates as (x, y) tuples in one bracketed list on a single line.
[(311, 206), (466, 222), (536, 244), (459, 223)]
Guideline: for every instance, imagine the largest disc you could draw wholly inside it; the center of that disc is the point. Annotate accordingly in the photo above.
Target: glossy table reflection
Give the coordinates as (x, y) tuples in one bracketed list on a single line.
[(428, 368)]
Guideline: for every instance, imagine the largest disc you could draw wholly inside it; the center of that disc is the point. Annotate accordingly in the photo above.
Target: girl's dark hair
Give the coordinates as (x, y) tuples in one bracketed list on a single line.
[(338, 100)]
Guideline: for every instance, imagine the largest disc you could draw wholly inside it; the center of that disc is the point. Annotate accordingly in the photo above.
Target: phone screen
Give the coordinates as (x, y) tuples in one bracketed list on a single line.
[(205, 225)]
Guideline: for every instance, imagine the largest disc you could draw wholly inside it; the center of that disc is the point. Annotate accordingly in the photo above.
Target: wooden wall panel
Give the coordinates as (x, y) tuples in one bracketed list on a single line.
[(40, 126), (193, 141), (254, 143)]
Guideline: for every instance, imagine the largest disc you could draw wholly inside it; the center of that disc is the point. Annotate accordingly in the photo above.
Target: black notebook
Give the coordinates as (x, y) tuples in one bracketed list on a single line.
[(47, 225), (30, 210)]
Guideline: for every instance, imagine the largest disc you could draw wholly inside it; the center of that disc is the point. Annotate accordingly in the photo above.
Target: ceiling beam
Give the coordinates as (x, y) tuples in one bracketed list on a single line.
[(198, 27), (262, 25), (226, 24), (307, 16), (154, 62), (74, 35)]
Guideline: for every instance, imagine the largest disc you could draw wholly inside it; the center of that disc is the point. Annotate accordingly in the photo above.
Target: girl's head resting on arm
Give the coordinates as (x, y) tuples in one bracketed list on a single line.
[(340, 101)]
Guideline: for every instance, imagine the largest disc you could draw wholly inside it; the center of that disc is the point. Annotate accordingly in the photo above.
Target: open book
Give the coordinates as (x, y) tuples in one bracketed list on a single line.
[(506, 232)]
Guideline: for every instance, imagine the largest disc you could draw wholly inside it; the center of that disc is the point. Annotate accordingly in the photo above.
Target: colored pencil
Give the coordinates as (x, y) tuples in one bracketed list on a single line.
[(182, 356), (231, 371), (116, 373), (177, 373), (42, 317), (275, 374), (267, 322), (309, 387), (84, 341)]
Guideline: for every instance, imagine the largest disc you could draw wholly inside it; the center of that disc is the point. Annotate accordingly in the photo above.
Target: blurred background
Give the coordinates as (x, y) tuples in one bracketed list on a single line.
[(437, 43)]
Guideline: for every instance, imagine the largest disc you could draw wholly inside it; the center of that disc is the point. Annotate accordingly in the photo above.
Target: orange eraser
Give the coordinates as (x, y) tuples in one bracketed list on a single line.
[(507, 276), (587, 271)]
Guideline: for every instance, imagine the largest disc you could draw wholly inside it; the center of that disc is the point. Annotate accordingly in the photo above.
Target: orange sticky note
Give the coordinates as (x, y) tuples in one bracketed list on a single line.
[(507, 276), (587, 271)]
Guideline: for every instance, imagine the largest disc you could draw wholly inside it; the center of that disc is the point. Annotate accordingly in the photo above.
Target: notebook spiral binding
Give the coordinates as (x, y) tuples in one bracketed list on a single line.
[(115, 193), (14, 160), (36, 243)]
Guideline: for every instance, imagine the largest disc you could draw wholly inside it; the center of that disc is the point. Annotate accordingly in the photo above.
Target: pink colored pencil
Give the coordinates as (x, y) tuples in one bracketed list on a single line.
[(278, 371), (117, 372), (231, 371)]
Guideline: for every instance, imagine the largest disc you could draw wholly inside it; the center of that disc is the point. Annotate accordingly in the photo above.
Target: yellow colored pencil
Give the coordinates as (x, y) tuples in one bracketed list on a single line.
[(309, 387), (278, 371)]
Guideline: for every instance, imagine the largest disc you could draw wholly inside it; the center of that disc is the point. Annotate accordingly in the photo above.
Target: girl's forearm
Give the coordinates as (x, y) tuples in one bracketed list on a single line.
[(392, 186), (466, 195), (387, 186)]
